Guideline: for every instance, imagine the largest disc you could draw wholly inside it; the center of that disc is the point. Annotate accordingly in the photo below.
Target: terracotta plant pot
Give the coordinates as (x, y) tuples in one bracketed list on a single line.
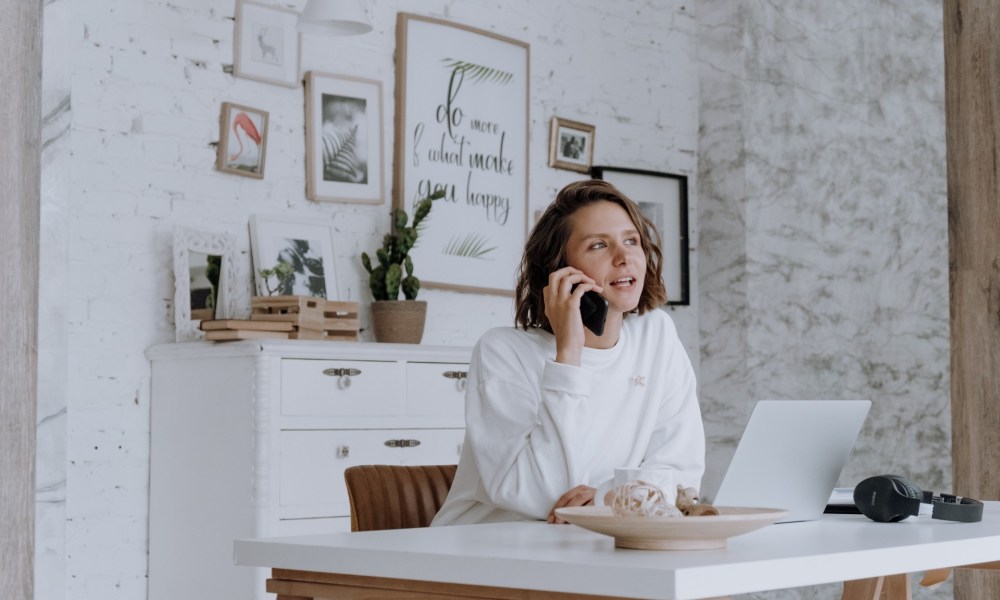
[(399, 321)]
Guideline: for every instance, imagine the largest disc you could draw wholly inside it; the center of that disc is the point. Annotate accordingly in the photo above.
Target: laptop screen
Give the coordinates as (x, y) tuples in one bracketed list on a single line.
[(791, 454)]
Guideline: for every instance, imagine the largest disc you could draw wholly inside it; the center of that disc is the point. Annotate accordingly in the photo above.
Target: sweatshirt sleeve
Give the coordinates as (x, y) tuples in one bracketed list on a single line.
[(529, 445), (678, 440)]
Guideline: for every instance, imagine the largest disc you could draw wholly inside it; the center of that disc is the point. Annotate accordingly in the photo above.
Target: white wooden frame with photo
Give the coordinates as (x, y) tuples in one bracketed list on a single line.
[(269, 236), (462, 125), (253, 123), (230, 297), (663, 197), (344, 152), (266, 44), (571, 145)]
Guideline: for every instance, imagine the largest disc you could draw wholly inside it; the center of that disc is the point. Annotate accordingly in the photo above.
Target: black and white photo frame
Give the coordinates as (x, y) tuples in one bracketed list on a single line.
[(344, 153), (663, 198), (571, 145), (305, 245)]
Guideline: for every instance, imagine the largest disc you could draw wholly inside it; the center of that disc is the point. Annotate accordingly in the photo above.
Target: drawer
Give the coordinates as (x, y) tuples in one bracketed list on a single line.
[(312, 463), (319, 387), (435, 389)]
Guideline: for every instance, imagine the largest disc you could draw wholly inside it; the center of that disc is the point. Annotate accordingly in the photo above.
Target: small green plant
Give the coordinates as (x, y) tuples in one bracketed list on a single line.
[(282, 272), (387, 277)]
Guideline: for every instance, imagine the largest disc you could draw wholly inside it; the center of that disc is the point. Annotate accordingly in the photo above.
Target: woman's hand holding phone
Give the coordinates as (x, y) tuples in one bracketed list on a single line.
[(562, 308)]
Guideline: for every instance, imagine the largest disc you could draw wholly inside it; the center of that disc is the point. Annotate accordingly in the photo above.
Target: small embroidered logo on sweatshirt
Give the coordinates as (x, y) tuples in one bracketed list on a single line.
[(639, 380)]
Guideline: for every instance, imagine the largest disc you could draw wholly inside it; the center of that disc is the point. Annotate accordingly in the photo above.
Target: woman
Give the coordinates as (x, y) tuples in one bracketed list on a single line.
[(551, 408)]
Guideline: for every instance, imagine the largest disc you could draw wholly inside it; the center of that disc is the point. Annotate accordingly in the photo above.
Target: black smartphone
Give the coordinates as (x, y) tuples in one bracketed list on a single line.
[(593, 311)]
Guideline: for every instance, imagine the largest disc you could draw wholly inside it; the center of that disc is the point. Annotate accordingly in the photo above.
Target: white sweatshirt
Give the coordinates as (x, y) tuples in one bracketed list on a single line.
[(536, 428)]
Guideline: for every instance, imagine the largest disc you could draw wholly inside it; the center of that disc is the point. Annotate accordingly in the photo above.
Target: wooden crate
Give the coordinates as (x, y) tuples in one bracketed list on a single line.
[(304, 312), (306, 334), (340, 321)]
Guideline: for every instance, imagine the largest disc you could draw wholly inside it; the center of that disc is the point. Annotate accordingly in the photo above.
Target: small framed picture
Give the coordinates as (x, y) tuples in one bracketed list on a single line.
[(242, 140), (343, 138), (571, 145), (298, 252), (266, 44)]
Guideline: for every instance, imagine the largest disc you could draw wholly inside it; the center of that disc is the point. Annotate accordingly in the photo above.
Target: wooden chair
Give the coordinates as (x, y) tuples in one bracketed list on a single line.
[(396, 497)]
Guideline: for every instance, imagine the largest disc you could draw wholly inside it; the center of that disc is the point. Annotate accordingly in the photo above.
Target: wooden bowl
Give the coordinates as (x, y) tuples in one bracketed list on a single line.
[(672, 533)]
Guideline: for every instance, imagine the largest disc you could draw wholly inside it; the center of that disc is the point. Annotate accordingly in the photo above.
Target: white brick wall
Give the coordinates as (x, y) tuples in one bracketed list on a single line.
[(147, 82)]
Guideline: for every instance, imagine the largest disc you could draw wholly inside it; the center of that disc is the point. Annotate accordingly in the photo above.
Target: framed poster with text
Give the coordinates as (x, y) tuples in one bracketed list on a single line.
[(462, 127)]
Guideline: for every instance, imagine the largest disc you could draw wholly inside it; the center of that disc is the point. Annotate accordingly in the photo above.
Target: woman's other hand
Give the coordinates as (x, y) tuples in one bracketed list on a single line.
[(562, 309), (581, 495)]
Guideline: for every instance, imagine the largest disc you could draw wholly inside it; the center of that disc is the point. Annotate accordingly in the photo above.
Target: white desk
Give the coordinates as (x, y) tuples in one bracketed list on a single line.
[(568, 559)]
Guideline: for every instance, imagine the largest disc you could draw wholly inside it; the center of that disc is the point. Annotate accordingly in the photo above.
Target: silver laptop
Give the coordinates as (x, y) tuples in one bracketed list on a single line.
[(791, 454)]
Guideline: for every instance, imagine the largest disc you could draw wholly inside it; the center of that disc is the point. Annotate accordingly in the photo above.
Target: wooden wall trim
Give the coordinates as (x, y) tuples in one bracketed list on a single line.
[(972, 97), (20, 124)]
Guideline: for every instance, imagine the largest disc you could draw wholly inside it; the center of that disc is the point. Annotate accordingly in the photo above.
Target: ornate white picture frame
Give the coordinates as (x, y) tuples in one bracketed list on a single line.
[(229, 296)]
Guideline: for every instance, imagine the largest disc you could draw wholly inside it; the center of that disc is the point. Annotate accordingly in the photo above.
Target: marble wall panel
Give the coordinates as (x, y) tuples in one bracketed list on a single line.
[(822, 133)]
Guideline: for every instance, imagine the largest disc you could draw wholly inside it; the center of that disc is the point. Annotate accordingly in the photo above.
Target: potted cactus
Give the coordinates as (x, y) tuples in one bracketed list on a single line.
[(397, 320)]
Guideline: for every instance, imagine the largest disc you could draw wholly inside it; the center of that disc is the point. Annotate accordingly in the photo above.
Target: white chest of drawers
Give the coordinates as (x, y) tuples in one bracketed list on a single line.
[(251, 439)]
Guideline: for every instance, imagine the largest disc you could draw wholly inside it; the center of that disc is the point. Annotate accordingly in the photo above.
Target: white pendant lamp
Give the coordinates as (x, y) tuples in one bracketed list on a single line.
[(334, 17)]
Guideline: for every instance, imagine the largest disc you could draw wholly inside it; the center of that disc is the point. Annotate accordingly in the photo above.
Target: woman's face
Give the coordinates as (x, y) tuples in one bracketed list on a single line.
[(604, 243)]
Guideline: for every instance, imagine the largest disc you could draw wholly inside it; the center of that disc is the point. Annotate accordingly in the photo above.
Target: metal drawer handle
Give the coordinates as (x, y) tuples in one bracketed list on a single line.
[(344, 374), (402, 443), (460, 378), (343, 451)]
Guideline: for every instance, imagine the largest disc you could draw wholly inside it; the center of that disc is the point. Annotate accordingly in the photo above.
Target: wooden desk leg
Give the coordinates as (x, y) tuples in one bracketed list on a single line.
[(890, 587), (897, 587), (935, 577), (863, 589)]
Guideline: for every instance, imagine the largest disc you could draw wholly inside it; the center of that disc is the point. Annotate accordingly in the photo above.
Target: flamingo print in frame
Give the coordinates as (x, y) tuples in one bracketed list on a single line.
[(243, 141)]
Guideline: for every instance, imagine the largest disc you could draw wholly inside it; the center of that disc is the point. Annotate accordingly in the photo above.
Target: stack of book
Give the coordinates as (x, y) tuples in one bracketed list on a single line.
[(289, 317), (220, 330)]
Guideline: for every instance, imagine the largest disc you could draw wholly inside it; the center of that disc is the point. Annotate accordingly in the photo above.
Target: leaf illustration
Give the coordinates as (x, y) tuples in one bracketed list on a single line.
[(340, 162), (479, 73), (303, 262), (473, 245)]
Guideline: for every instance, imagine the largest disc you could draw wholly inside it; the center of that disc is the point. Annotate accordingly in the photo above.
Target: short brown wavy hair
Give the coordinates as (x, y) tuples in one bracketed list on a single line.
[(545, 250)]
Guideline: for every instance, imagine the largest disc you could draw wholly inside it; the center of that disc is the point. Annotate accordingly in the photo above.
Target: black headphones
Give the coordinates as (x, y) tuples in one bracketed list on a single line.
[(891, 498)]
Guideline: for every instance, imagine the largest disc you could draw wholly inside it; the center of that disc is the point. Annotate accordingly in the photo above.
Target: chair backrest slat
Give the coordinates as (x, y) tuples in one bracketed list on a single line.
[(396, 497)]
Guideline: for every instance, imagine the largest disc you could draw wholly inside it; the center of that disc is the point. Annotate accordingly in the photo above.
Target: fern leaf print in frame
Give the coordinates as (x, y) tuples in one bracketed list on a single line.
[(478, 73), (473, 245), (344, 139)]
